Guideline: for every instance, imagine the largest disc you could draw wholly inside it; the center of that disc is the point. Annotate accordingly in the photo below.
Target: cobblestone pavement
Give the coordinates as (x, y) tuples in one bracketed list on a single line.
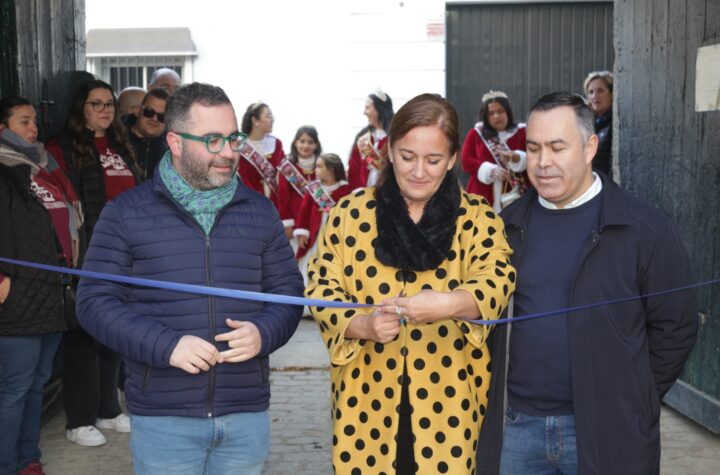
[(300, 426)]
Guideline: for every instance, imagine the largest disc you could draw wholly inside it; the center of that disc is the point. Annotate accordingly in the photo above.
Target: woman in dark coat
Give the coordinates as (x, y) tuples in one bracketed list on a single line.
[(95, 153), (39, 222), (598, 88)]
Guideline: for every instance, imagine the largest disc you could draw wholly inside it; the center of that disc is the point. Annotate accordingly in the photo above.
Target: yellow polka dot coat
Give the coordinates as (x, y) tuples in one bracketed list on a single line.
[(447, 361)]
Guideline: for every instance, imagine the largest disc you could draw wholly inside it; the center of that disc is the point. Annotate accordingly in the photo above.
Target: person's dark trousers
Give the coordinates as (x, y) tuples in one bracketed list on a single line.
[(90, 380)]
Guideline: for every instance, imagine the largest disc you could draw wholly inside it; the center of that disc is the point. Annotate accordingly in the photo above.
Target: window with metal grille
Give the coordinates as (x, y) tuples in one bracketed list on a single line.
[(121, 72)]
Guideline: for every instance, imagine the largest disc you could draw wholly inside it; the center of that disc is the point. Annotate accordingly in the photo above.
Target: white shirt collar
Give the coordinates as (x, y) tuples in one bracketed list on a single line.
[(307, 164), (591, 193)]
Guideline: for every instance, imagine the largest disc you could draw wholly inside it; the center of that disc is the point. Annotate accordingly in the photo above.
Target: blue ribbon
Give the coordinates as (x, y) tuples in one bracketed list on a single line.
[(552, 313), (287, 299), (193, 289)]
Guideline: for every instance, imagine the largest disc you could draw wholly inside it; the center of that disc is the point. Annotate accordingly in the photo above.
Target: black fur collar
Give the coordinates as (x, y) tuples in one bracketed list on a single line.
[(415, 247)]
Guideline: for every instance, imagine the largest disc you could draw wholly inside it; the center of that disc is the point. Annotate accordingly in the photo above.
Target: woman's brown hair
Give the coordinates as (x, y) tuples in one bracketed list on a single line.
[(420, 111)]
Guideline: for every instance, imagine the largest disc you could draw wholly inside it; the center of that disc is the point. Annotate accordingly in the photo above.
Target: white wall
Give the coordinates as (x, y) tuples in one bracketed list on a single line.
[(312, 61)]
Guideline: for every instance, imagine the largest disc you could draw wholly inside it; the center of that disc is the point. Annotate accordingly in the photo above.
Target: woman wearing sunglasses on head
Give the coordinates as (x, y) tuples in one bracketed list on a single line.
[(94, 151), (146, 131)]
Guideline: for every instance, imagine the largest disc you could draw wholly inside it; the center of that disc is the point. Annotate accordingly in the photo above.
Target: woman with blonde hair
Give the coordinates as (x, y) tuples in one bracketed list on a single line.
[(598, 87)]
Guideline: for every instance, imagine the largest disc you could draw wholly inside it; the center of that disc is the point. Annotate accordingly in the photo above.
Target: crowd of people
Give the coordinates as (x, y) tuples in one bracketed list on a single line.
[(170, 184)]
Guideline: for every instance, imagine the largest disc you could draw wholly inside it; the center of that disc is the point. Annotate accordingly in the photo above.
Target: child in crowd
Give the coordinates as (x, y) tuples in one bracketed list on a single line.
[(321, 196), (294, 174), (262, 153)]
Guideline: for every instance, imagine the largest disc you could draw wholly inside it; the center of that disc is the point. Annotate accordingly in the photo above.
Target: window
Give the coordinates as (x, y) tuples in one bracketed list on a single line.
[(134, 70), (128, 57)]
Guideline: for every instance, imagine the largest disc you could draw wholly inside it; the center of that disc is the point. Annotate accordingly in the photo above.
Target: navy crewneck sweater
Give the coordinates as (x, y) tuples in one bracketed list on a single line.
[(539, 379)]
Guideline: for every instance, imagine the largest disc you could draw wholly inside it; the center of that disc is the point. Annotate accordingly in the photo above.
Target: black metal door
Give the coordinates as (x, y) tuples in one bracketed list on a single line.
[(525, 50), (41, 45)]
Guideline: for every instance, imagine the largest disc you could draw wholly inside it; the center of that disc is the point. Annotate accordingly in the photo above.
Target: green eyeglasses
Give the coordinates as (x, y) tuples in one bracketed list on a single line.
[(215, 142)]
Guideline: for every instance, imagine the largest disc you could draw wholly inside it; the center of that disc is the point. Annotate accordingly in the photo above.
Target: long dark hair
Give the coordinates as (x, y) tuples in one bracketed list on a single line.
[(84, 152), (312, 132), (253, 111), (385, 114), (488, 131), (334, 163)]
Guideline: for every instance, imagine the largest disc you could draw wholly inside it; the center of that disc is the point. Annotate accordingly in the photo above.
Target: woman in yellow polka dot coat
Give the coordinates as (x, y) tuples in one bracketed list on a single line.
[(410, 377)]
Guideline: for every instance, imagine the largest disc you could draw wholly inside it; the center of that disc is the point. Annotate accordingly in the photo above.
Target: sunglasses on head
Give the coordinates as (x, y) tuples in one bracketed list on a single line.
[(149, 112)]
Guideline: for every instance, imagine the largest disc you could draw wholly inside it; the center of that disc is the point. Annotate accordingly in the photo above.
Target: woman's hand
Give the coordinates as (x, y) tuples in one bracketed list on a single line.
[(301, 240), (4, 289), (366, 150), (364, 146), (499, 174), (430, 305), (377, 161), (508, 157), (425, 307), (378, 326)]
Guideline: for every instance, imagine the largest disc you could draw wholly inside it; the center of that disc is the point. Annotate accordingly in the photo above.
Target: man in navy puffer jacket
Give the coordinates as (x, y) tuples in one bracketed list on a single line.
[(197, 366)]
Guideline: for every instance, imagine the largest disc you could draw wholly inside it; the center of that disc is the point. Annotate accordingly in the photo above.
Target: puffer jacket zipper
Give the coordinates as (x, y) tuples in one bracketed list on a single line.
[(262, 371), (146, 379), (146, 159), (211, 321), (207, 240)]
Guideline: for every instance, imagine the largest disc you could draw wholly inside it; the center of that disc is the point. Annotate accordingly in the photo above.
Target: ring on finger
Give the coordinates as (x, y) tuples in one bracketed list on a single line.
[(400, 310)]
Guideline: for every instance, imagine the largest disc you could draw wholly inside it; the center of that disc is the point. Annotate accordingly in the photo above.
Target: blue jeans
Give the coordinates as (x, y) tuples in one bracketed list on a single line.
[(535, 445), (231, 444), (25, 366)]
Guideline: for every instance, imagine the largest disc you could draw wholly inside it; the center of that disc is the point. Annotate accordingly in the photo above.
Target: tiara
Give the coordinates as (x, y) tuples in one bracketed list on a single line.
[(380, 94), (253, 107), (493, 95)]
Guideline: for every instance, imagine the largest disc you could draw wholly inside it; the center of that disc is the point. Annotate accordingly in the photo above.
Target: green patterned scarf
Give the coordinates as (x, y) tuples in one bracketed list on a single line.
[(203, 205)]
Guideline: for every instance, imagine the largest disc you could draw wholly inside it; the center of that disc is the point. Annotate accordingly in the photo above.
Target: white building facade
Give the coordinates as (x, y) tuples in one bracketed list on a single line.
[(313, 62)]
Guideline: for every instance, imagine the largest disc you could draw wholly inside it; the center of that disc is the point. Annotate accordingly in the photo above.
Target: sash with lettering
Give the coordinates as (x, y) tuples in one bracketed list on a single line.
[(515, 185), (261, 164), (321, 197), (293, 176)]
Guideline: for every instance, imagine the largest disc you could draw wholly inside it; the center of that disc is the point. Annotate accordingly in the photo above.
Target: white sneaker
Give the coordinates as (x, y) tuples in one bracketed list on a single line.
[(119, 424), (87, 436)]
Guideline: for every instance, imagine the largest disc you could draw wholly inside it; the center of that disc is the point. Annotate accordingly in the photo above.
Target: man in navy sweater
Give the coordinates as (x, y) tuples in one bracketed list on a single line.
[(580, 392), (197, 384)]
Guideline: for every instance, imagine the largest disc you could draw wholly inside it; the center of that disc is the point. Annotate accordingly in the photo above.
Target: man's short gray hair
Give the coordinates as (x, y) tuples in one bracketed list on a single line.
[(177, 111), (158, 73)]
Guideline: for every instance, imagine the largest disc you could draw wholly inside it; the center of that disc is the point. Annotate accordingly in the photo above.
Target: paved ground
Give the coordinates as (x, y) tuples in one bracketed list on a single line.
[(301, 426)]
